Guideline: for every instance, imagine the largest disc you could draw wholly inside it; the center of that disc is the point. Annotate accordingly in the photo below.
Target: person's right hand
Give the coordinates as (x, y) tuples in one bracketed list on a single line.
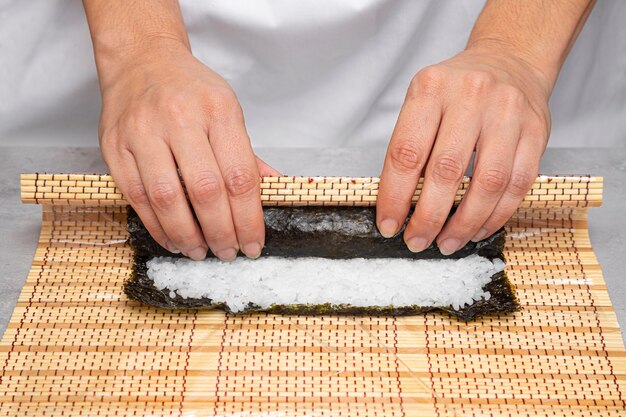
[(163, 111)]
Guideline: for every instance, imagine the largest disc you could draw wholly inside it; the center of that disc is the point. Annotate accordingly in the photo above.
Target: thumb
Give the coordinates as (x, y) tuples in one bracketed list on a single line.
[(266, 170)]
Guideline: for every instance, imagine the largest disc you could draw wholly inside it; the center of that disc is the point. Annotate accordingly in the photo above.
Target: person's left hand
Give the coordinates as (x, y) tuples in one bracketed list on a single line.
[(483, 99)]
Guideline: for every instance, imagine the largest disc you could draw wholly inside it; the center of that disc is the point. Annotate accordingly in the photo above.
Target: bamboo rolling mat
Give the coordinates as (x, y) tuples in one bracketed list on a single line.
[(76, 346), (100, 190)]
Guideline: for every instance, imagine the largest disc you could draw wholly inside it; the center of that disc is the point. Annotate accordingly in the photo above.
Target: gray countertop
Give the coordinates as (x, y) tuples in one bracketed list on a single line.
[(19, 224)]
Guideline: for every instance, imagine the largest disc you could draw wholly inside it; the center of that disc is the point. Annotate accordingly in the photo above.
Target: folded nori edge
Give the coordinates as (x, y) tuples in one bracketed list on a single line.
[(328, 232)]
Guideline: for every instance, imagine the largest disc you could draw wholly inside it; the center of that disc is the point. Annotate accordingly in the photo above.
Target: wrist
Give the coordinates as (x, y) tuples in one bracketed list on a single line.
[(517, 60), (116, 57)]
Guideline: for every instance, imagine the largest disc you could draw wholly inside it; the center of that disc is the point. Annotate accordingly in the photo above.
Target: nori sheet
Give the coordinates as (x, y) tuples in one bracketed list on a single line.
[(329, 232)]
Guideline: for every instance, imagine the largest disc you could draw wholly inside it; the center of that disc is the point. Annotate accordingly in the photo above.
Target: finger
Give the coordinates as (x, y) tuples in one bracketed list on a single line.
[(231, 147), (206, 191), (124, 170), (266, 170), (408, 151), (448, 161), (495, 154), (525, 169), (159, 174)]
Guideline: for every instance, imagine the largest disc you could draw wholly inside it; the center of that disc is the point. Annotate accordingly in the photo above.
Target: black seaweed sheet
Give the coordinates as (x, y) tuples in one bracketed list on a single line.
[(328, 232)]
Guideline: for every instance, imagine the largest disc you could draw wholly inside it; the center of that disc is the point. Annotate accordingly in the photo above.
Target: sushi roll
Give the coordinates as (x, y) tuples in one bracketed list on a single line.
[(325, 260)]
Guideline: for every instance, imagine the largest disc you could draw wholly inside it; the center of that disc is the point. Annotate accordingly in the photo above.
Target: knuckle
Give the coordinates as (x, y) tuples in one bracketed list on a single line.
[(137, 193), (187, 239), (250, 227), (222, 104), (109, 138), (537, 131), (475, 82), (498, 218), (521, 183), (463, 224), (110, 154), (240, 181), (221, 237), (137, 119), (509, 98), (447, 169), (428, 81), (205, 188), (431, 220), (393, 201), (163, 195), (406, 156), (394, 198), (493, 180), (177, 109)]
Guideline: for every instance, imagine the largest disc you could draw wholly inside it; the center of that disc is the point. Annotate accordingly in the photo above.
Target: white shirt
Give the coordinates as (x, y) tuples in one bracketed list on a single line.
[(308, 73)]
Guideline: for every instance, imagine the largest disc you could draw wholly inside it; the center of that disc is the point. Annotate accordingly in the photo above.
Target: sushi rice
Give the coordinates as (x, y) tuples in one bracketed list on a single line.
[(356, 282)]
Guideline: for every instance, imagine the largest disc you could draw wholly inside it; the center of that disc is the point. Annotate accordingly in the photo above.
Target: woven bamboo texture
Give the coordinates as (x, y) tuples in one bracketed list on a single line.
[(76, 346), (100, 190)]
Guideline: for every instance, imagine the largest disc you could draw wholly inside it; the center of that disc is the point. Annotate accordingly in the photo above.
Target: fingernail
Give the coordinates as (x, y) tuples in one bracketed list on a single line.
[(169, 245), (480, 235), (417, 244), (198, 253), (388, 228), (227, 254), (252, 250), (449, 246)]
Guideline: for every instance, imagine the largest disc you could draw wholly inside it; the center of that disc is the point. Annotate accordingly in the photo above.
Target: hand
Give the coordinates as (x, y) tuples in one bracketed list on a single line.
[(166, 111), (483, 99)]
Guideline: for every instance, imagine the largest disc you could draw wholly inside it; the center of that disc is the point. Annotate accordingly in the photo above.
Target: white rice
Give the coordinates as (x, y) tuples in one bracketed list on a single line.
[(357, 282)]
